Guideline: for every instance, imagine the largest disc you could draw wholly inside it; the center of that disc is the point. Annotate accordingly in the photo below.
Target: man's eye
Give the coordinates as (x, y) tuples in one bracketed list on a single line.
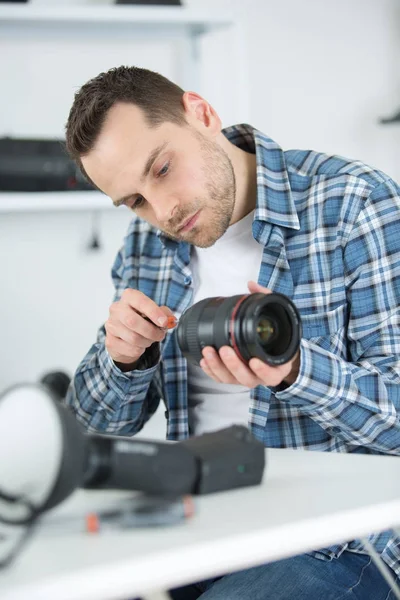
[(164, 170), (138, 202)]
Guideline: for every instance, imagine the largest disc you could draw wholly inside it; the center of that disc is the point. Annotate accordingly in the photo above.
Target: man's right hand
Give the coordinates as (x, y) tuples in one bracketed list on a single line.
[(129, 333)]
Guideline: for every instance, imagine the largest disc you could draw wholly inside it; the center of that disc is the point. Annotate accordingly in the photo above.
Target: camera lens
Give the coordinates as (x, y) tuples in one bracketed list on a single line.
[(266, 330), (266, 326)]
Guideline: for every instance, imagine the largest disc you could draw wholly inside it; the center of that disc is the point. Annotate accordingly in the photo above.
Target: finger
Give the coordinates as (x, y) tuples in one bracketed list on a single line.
[(269, 375), (241, 371), (118, 329), (145, 306), (172, 320), (135, 322), (255, 288), (207, 371), (215, 365), (121, 351), (167, 311)]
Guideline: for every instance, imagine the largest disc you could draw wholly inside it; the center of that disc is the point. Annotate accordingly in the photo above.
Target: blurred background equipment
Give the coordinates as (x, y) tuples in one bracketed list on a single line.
[(41, 466), (57, 382), (38, 165)]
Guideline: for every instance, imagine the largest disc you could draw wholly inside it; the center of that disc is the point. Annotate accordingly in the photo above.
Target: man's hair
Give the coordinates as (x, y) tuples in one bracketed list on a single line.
[(159, 99)]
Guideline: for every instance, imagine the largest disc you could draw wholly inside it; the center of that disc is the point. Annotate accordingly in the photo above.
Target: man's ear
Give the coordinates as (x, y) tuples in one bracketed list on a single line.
[(200, 113)]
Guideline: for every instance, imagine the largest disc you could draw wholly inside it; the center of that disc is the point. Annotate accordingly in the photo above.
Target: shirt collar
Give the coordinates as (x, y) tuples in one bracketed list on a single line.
[(274, 202)]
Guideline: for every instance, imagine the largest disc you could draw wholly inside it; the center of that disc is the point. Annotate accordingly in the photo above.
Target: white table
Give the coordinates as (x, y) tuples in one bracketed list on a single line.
[(307, 500)]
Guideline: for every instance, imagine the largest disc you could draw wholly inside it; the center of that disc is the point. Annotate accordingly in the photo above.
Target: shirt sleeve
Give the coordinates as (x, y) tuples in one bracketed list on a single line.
[(105, 399), (357, 399)]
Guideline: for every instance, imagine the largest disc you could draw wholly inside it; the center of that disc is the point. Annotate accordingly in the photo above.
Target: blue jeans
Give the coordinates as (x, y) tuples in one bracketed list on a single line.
[(350, 577)]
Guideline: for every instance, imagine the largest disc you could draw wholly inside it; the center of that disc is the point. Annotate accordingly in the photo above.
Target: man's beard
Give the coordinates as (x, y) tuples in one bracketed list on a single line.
[(220, 200)]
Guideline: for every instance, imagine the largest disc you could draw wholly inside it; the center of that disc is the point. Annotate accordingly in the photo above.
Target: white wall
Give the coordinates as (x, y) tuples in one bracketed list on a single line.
[(319, 74)]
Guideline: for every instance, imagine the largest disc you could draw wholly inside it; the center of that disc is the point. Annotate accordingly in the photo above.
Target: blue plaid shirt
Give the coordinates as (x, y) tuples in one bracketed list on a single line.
[(330, 231)]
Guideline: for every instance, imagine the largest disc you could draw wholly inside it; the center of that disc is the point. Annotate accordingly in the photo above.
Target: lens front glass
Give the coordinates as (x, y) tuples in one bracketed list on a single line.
[(266, 330)]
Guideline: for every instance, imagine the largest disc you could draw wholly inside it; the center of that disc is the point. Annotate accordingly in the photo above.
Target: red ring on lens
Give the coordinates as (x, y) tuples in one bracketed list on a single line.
[(232, 327)]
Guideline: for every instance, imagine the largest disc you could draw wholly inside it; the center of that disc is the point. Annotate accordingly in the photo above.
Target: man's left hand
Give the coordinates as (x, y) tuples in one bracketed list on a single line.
[(224, 366)]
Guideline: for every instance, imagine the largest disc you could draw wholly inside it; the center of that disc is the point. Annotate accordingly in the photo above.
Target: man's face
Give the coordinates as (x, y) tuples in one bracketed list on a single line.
[(177, 178)]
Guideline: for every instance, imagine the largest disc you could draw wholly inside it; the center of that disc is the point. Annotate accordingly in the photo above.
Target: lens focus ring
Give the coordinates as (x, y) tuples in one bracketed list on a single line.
[(192, 342)]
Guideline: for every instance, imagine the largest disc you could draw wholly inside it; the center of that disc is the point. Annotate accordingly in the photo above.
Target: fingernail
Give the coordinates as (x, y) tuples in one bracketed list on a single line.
[(162, 321)]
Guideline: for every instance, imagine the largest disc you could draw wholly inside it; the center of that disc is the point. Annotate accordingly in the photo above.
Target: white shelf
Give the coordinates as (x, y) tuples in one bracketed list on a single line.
[(200, 21), (12, 202)]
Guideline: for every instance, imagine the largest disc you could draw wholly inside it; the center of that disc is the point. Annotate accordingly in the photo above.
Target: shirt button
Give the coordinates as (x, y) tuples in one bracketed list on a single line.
[(187, 280)]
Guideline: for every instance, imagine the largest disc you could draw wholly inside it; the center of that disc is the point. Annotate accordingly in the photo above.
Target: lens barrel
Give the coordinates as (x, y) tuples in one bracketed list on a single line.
[(266, 326)]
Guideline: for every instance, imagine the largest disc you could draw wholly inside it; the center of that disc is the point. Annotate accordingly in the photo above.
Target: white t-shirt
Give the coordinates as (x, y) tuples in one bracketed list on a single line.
[(222, 270)]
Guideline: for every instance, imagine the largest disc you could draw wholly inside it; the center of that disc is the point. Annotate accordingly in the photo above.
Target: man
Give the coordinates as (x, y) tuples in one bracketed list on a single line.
[(215, 213)]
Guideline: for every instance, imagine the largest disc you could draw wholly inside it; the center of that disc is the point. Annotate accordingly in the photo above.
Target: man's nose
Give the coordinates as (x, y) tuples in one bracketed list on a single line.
[(164, 209)]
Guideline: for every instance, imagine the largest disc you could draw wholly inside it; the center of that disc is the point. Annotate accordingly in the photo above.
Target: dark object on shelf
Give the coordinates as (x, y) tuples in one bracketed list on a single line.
[(38, 165), (394, 119), (151, 2)]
